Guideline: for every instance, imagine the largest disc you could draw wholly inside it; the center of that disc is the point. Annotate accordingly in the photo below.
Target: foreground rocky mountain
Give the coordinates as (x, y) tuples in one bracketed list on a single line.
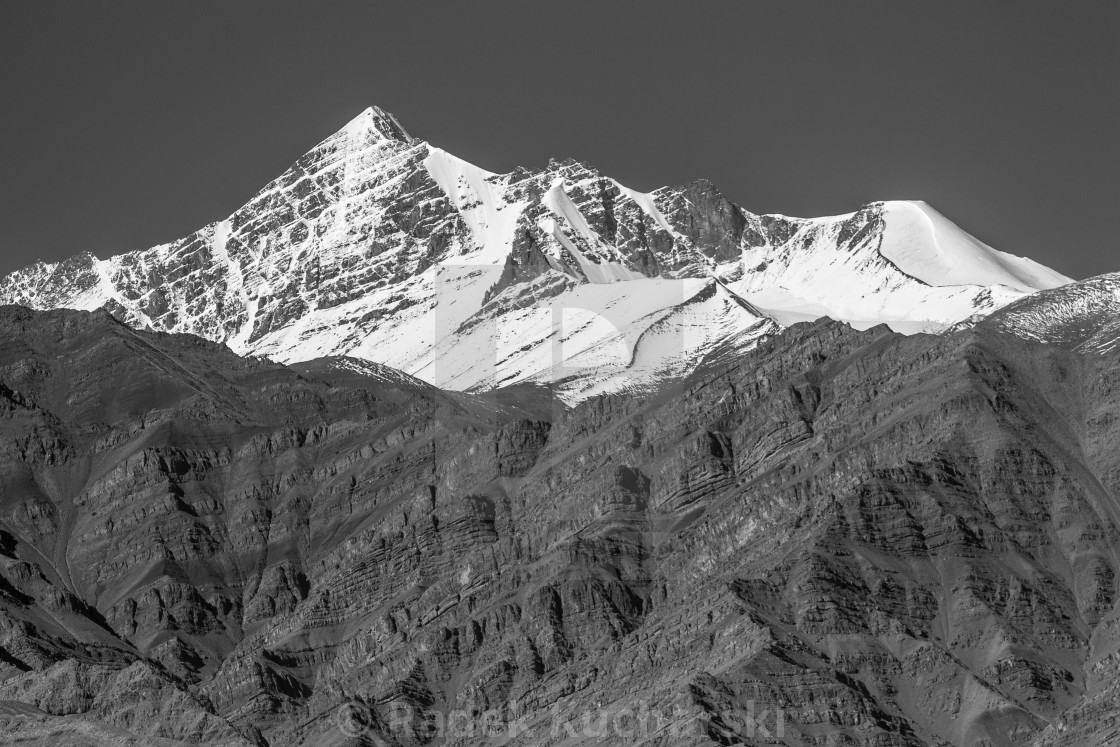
[(843, 537), (1084, 316), (379, 246)]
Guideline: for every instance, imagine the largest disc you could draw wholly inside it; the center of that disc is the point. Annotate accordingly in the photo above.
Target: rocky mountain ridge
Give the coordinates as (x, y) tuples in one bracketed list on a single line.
[(379, 246), (841, 537), (1083, 315)]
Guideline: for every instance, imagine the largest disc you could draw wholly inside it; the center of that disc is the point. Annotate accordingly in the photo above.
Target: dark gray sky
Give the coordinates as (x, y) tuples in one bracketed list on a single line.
[(127, 124)]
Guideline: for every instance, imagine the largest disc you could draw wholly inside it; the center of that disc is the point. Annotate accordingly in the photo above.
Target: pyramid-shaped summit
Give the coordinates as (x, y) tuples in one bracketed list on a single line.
[(382, 122), (381, 247)]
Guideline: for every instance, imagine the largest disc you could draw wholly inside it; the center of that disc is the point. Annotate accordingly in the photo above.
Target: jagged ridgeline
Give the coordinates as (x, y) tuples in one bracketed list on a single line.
[(407, 453), (845, 537), (379, 246)]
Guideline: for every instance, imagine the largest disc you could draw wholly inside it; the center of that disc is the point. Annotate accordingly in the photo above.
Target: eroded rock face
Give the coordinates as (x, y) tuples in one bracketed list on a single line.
[(844, 537)]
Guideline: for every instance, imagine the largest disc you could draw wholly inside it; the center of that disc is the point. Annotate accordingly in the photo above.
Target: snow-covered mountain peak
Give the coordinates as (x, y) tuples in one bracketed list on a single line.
[(378, 120), (382, 247), (926, 245)]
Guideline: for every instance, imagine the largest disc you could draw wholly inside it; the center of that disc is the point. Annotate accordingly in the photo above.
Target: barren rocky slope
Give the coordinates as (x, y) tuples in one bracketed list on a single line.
[(845, 537)]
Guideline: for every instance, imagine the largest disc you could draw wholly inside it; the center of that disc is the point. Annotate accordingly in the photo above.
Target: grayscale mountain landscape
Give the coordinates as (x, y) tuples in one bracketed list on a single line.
[(406, 452)]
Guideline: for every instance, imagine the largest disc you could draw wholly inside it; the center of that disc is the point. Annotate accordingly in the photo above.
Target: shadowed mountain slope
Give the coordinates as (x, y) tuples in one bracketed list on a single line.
[(885, 539)]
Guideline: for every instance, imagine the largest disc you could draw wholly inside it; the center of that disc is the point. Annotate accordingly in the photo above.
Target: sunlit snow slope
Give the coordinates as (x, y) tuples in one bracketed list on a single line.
[(379, 246), (928, 246)]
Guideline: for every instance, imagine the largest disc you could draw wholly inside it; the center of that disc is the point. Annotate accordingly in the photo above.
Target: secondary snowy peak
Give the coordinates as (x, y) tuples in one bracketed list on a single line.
[(802, 269), (382, 247), (928, 246)]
